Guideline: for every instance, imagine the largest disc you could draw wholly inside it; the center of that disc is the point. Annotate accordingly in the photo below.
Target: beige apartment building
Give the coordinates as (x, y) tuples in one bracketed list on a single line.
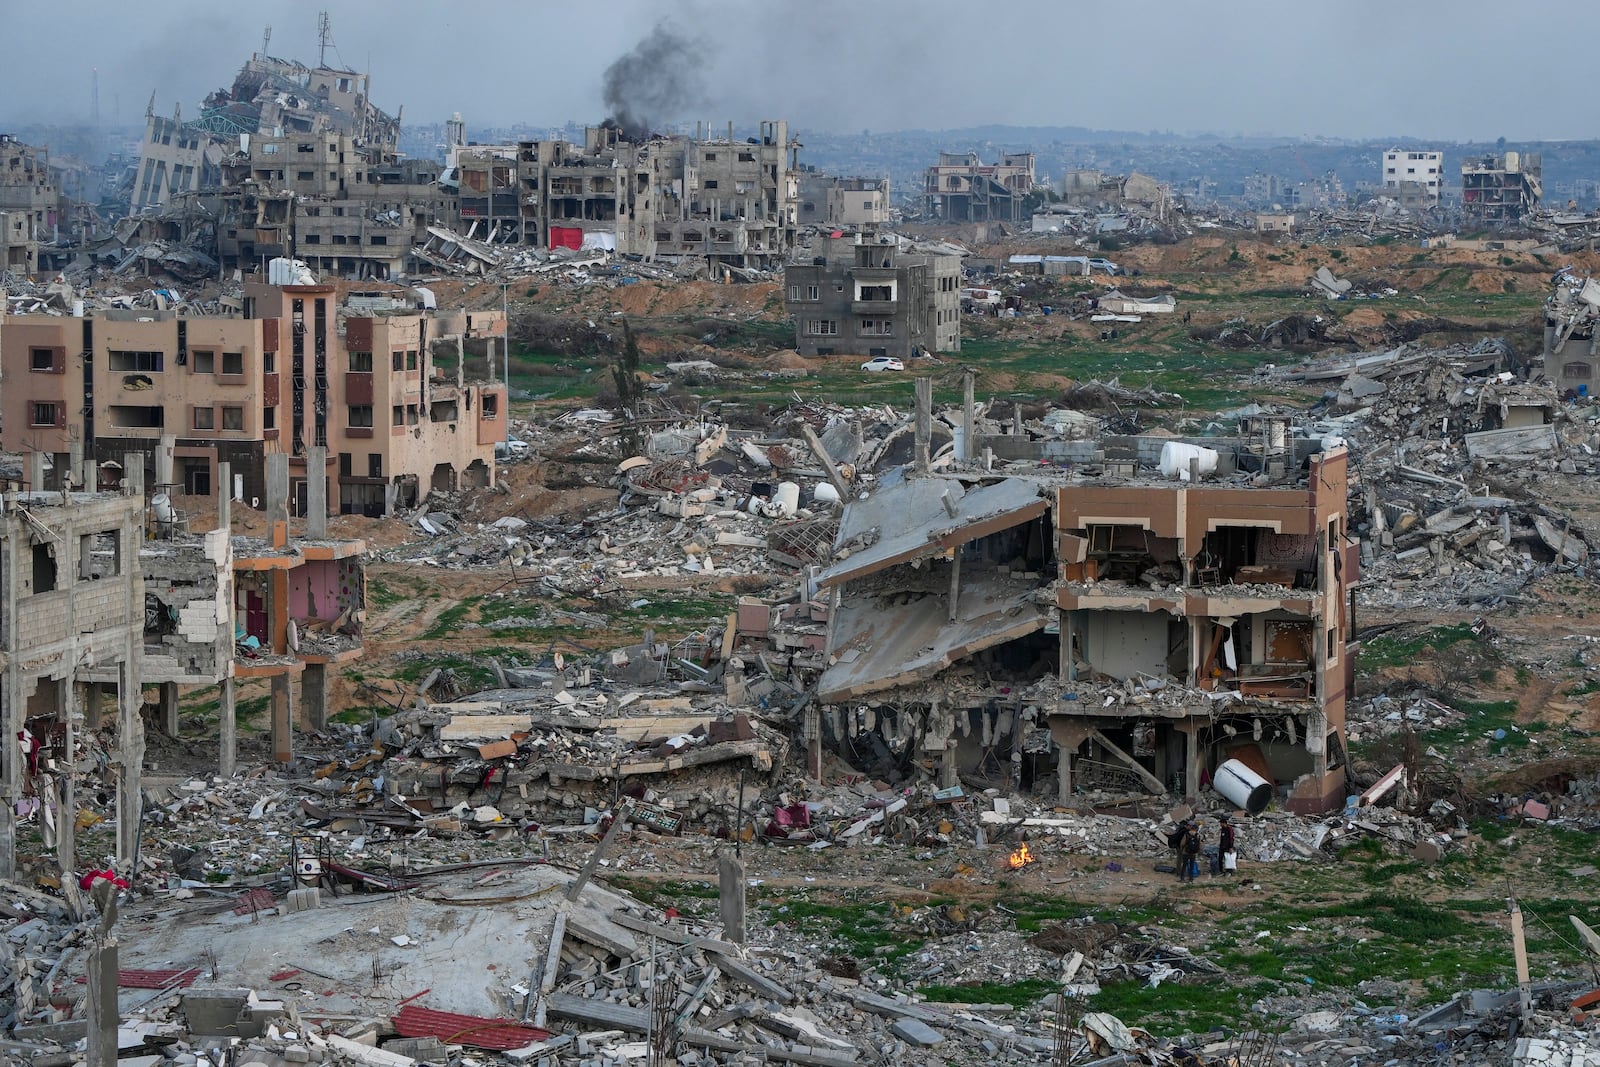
[(293, 373)]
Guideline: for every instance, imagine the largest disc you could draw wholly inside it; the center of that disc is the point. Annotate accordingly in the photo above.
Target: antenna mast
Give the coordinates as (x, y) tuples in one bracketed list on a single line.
[(324, 35), (266, 40)]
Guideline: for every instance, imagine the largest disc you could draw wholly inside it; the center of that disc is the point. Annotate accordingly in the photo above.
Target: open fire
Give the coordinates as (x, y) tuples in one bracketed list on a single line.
[(1021, 857)]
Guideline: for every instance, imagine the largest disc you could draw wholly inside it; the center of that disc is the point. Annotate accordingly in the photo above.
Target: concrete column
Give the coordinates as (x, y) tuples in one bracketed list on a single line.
[(1191, 763), (730, 896), (317, 491), (35, 471), (164, 450), (923, 427), (225, 497), (75, 464), (130, 763), (11, 719), (1063, 774), (277, 475), (103, 1016), (133, 473), (169, 708), (282, 721), (91, 706), (968, 413), (228, 756), (314, 696)]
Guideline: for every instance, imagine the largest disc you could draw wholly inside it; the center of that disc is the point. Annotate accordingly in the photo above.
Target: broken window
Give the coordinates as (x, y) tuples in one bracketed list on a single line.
[(822, 327), (233, 363), (42, 359), (44, 569), (121, 361), (344, 464), (491, 406), (269, 418), (233, 418), (1577, 369), (361, 362), (398, 360), (374, 465), (397, 416), (205, 418)]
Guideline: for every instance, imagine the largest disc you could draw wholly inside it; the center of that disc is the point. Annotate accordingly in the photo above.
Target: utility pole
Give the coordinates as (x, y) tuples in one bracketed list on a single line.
[(266, 40)]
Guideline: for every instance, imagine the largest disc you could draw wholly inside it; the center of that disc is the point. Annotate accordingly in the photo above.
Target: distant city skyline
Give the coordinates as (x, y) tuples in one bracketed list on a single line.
[(1362, 70)]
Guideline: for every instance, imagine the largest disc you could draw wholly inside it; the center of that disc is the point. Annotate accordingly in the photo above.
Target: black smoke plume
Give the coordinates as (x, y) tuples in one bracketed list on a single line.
[(659, 80)]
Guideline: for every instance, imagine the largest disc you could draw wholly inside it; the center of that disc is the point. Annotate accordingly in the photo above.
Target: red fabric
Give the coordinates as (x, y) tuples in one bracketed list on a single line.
[(498, 1035), (566, 237), (88, 880)]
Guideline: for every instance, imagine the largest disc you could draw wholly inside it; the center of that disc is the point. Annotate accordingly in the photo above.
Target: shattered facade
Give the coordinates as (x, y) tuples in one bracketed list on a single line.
[(1207, 623), (825, 200), (30, 203), (72, 626), (962, 188), (870, 295), (1503, 189), (173, 159)]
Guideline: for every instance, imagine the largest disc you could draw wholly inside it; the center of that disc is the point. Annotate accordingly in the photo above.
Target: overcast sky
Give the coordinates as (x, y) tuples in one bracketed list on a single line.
[(1464, 70)]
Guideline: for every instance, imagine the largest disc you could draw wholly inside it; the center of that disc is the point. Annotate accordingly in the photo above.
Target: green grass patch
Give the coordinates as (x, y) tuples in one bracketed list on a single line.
[(1174, 1007), (1400, 649), (448, 622), (1018, 994)]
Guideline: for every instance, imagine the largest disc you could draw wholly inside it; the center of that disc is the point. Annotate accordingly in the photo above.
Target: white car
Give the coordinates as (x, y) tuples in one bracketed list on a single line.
[(510, 448), (877, 363)]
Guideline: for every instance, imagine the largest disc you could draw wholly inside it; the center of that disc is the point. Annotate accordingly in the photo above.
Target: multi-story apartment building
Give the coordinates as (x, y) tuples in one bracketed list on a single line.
[(870, 295), (1413, 177), (1113, 630), (188, 393), (962, 188), (1500, 190), (173, 159)]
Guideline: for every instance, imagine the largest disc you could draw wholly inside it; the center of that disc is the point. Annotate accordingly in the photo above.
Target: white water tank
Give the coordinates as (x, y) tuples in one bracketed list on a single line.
[(1243, 787), (1175, 457)]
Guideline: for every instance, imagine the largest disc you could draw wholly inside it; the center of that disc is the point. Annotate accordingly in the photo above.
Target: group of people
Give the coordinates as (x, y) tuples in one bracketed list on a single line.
[(1186, 843)]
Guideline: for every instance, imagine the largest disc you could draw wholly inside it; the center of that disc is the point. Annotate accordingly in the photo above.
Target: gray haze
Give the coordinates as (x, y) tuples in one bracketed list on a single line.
[(1467, 70)]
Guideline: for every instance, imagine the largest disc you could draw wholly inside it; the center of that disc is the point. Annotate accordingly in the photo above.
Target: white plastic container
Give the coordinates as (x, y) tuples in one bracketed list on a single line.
[(824, 493), (1243, 787), (1175, 457), (787, 498)]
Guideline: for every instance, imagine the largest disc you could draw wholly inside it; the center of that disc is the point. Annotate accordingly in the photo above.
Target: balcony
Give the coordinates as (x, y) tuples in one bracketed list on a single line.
[(879, 308)]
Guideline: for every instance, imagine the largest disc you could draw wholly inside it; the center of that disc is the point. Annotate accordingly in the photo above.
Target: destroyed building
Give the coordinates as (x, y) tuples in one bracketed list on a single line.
[(1119, 630), (962, 188), (299, 606), (295, 371), (271, 98), (72, 631), (850, 202), (30, 204), (1571, 343), (872, 294), (173, 159), (1496, 190)]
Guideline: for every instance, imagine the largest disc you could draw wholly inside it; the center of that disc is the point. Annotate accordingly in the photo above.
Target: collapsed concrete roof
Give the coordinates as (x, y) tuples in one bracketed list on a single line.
[(924, 523), (897, 639)]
